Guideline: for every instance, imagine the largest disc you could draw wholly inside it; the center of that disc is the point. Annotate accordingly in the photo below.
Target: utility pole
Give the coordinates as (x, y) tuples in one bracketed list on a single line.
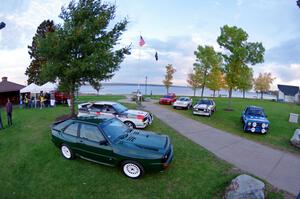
[(146, 85)]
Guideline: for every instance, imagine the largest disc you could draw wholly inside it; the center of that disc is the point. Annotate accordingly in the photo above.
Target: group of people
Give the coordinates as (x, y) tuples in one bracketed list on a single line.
[(42, 101), (9, 109)]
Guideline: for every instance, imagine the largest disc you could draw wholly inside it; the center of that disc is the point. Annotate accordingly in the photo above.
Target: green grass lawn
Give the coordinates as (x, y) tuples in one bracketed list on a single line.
[(32, 167), (278, 114)]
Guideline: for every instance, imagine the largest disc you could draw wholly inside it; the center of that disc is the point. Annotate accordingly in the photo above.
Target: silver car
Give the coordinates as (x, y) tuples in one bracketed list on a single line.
[(204, 107), (183, 102)]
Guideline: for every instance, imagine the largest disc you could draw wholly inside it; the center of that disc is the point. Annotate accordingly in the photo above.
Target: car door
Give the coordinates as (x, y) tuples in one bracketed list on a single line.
[(70, 135), (90, 147)]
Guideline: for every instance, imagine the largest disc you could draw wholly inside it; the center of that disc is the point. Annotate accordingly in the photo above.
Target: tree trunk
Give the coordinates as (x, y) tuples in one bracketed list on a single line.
[(243, 94), (72, 97), (194, 92), (230, 102), (261, 95), (167, 89), (214, 93), (202, 91)]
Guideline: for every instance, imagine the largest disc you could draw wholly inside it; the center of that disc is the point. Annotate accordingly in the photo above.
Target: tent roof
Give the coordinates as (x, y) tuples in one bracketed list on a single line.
[(31, 88), (49, 86)]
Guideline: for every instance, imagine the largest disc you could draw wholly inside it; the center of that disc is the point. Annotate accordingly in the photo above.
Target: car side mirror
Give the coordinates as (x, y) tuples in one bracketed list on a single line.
[(103, 142)]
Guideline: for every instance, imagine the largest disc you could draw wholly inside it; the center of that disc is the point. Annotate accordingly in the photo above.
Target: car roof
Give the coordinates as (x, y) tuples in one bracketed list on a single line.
[(104, 102), (92, 119), (254, 107)]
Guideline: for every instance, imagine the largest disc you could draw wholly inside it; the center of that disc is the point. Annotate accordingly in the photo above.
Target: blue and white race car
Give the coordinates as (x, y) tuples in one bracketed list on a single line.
[(255, 120)]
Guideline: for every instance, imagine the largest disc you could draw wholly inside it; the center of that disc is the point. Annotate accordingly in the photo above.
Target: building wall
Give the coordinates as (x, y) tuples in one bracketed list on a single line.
[(286, 98), (13, 96)]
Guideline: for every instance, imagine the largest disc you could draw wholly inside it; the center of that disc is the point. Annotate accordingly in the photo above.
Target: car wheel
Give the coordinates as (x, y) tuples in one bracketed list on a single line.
[(174, 107), (209, 114), (132, 169), (66, 152), (130, 124)]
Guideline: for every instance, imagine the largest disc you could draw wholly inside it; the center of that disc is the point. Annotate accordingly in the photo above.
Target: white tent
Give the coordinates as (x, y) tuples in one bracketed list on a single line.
[(31, 88), (48, 87)]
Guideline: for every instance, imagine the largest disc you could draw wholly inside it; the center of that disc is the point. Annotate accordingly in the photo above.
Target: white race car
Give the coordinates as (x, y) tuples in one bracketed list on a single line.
[(132, 118), (204, 107), (183, 102)]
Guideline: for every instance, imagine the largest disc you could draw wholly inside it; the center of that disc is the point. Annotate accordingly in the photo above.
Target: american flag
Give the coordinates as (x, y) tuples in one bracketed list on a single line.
[(142, 42)]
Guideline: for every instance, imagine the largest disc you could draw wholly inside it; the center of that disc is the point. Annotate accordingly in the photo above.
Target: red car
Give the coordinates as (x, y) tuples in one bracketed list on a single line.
[(61, 97), (168, 99)]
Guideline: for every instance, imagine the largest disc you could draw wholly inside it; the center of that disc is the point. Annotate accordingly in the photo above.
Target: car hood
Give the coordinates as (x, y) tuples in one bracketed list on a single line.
[(166, 99), (146, 140), (181, 102), (201, 106), (257, 119), (136, 112)]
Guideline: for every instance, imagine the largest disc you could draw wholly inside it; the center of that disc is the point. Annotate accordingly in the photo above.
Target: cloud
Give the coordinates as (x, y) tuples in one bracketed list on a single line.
[(287, 52)]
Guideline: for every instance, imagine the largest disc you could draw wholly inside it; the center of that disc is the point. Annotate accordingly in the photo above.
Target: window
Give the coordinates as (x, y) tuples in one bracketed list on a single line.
[(97, 107), (72, 129), (91, 133)]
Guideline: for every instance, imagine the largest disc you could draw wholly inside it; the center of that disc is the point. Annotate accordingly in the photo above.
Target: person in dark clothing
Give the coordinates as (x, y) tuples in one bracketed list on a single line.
[(9, 109), (1, 125)]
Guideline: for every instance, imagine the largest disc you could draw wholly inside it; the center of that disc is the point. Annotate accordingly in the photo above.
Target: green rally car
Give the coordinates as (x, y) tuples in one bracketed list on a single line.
[(111, 142)]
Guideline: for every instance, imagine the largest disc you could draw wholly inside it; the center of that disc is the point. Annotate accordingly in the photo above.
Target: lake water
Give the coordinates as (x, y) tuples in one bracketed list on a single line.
[(124, 89)]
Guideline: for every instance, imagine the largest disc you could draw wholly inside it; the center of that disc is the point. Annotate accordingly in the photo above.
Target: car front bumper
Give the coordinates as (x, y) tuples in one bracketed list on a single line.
[(181, 105), (143, 124), (200, 112)]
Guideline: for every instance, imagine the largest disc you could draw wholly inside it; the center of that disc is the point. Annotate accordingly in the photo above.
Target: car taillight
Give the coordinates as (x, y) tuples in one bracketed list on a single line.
[(98, 113), (140, 117)]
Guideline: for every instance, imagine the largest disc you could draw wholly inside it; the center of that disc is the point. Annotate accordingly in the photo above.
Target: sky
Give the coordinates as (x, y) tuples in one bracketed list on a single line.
[(173, 28)]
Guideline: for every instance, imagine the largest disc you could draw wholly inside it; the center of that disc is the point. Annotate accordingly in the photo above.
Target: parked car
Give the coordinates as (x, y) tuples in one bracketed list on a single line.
[(204, 107), (130, 117), (61, 97), (110, 142), (134, 96), (183, 102), (168, 99), (254, 120)]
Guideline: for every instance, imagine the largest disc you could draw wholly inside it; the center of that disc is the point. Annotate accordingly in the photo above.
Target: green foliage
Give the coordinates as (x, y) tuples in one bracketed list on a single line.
[(170, 70), (239, 52), (263, 82), (206, 59), (33, 71), (194, 79), (247, 82), (83, 48), (214, 79)]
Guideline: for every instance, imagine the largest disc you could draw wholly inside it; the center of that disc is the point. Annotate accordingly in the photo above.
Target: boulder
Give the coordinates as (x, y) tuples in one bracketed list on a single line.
[(245, 187), (295, 140)]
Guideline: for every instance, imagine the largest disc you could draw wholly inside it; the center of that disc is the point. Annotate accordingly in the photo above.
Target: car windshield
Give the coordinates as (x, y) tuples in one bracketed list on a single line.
[(167, 96), (115, 129), (256, 112), (207, 102), (183, 99), (119, 108)]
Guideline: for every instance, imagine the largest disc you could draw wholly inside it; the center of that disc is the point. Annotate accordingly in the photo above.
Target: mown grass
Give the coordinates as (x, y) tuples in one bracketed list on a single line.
[(32, 167), (281, 130)]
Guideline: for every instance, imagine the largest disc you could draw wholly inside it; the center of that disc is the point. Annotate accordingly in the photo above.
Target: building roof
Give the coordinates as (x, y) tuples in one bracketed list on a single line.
[(7, 86), (288, 90)]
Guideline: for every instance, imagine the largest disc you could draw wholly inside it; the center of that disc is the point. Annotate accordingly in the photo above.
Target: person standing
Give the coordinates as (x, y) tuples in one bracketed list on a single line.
[(9, 112), (1, 125)]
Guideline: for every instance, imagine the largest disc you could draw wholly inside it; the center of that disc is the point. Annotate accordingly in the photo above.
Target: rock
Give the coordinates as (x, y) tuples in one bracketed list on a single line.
[(295, 140), (245, 187)]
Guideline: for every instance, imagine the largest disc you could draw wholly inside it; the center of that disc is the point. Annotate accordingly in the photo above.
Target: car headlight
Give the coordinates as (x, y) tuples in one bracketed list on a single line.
[(267, 125), (253, 130), (254, 124), (263, 125), (249, 123)]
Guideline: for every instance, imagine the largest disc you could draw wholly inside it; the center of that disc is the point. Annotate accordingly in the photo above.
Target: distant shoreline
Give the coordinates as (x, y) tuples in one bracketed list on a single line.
[(136, 84)]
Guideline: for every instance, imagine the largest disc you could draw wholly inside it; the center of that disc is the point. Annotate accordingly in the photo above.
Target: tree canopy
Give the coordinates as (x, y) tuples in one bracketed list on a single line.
[(206, 59), (168, 81), (33, 71), (263, 83), (238, 53), (194, 79), (84, 48)]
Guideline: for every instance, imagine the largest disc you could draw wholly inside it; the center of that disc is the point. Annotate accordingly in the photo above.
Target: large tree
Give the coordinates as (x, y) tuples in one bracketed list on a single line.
[(263, 83), (238, 53), (168, 81), (83, 49), (206, 59), (194, 80), (214, 79), (33, 71), (246, 83)]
